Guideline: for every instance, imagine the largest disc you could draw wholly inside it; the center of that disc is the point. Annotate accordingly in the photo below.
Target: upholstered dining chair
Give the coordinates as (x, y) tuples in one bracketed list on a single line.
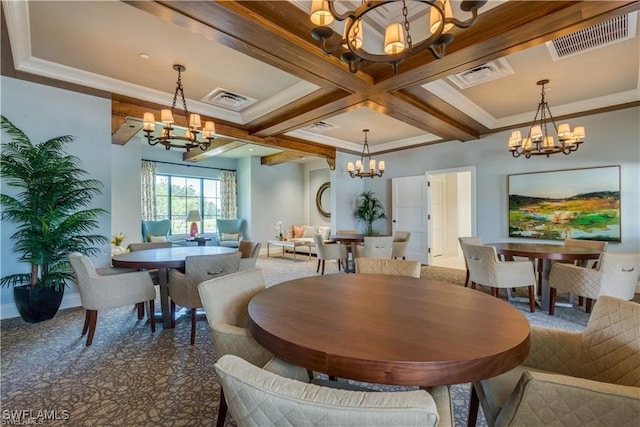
[(105, 288), (485, 268), (229, 232), (571, 378), (471, 240), (397, 267), (375, 247), (329, 251), (616, 275), (257, 397), (400, 243), (225, 300), (250, 251), (183, 287), (148, 245)]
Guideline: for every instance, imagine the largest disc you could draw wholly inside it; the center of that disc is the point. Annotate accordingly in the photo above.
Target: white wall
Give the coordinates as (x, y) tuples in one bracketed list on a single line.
[(613, 138), (44, 112)]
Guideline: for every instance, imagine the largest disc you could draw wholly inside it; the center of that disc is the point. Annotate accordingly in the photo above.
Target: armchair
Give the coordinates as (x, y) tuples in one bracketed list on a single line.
[(110, 288), (400, 243), (375, 247), (155, 231), (229, 232), (569, 378), (616, 275), (257, 396), (250, 251)]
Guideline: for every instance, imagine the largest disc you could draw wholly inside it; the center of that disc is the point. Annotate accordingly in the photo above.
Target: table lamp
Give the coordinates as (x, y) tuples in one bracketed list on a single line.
[(194, 218)]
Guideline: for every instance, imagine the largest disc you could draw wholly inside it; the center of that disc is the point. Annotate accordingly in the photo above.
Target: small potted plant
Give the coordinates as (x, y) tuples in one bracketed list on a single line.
[(48, 210), (369, 209)]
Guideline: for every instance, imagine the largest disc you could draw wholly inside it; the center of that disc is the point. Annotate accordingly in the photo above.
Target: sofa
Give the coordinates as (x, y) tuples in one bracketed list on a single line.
[(304, 233)]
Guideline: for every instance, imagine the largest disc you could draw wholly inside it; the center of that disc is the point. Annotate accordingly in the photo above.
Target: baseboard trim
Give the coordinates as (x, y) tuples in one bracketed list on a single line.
[(9, 310)]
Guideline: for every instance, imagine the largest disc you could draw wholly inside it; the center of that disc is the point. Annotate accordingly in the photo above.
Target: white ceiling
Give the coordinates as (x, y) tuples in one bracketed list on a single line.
[(98, 44)]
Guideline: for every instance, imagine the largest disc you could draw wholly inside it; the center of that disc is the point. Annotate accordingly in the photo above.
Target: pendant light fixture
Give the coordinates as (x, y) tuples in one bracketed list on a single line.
[(357, 170)]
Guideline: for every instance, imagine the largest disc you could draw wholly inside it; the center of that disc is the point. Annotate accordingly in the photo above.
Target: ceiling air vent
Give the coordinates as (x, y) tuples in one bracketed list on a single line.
[(612, 31), (482, 73), (228, 100), (320, 127)]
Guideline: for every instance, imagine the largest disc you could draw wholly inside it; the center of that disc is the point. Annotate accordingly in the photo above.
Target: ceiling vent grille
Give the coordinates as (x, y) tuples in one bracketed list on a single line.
[(320, 127), (606, 33), (228, 100), (482, 73)]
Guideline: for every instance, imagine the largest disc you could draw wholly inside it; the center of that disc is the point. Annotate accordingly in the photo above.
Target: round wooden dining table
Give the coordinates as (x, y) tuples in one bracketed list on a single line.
[(544, 254), (389, 329), (163, 259)]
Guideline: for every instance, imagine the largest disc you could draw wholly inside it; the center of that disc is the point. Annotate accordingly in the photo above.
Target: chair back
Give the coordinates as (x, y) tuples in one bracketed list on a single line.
[(250, 252), (155, 229), (200, 268), (400, 243), (258, 397), (590, 244), (83, 268), (396, 267), (481, 261), (148, 245), (226, 300), (619, 274), (377, 247), (611, 343), (329, 251)]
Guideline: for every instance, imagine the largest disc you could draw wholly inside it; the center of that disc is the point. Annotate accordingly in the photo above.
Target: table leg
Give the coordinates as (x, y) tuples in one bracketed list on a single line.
[(164, 297)]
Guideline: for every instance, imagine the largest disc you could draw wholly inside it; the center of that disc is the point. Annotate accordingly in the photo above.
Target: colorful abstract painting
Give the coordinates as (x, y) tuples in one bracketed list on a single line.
[(574, 203)]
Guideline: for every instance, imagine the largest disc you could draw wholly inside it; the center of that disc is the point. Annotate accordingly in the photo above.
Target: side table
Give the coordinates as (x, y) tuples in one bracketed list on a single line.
[(202, 241)]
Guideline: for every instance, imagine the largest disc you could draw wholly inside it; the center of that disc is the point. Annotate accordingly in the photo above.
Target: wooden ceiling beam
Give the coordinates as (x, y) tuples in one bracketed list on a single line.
[(279, 158)]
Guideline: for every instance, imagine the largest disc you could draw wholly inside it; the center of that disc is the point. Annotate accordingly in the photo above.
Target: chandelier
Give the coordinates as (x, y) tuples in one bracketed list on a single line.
[(398, 43), (539, 141), (357, 170), (168, 138)]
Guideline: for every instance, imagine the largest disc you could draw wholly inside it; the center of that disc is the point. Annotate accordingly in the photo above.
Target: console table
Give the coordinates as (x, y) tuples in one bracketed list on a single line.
[(291, 244)]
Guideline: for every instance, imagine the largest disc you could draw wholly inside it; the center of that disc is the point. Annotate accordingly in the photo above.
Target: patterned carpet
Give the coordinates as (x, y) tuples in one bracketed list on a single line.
[(132, 377)]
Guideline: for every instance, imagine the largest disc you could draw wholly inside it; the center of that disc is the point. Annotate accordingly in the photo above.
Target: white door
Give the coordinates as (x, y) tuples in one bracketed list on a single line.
[(438, 214), (409, 213)]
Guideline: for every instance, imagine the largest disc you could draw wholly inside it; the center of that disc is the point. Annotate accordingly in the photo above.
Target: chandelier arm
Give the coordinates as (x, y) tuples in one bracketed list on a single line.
[(348, 14), (464, 24)]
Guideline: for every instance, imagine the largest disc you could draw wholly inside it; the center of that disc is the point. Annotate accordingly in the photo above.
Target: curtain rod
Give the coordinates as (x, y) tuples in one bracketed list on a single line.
[(188, 166)]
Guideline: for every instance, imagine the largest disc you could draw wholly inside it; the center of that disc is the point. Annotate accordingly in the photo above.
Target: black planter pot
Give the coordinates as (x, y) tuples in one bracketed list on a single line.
[(37, 304)]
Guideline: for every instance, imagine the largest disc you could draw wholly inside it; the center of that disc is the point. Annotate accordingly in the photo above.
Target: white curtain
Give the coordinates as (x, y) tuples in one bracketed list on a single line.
[(148, 190), (229, 196)]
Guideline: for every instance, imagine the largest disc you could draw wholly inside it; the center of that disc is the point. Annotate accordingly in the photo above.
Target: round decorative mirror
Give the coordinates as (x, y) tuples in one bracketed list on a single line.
[(323, 200)]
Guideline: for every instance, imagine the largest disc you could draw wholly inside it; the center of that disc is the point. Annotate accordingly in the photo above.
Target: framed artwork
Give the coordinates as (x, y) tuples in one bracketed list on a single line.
[(572, 203)]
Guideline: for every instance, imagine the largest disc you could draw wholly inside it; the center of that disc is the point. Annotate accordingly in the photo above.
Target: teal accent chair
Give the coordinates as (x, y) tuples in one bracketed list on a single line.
[(157, 228), (226, 229)]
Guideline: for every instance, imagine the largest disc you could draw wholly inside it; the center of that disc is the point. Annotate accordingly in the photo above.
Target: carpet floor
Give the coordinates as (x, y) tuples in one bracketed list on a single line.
[(131, 377)]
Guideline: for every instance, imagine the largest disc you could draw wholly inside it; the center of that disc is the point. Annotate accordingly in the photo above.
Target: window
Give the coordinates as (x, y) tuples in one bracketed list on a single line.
[(177, 195)]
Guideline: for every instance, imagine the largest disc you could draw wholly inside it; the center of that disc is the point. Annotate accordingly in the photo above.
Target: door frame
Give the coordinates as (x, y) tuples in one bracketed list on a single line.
[(473, 192)]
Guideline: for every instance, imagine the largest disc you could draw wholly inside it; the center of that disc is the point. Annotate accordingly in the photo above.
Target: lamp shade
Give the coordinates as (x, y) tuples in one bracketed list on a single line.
[(394, 40), (194, 216)]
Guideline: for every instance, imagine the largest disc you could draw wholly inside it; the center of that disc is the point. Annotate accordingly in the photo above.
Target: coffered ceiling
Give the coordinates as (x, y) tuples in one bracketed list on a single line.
[(253, 67)]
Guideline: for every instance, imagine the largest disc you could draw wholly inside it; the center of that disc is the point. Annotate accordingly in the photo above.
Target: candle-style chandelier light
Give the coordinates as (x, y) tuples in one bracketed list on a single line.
[(539, 141), (357, 170), (398, 43), (168, 138)]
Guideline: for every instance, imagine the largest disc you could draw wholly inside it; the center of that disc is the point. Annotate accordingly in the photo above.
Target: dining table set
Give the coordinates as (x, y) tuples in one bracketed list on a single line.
[(383, 329)]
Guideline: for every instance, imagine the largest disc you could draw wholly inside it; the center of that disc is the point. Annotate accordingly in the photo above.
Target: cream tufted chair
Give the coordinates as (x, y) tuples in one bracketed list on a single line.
[(398, 267), (110, 288), (616, 275), (472, 240), (400, 242), (572, 379), (183, 288), (329, 251), (375, 247), (257, 397), (485, 268), (250, 251), (226, 300)]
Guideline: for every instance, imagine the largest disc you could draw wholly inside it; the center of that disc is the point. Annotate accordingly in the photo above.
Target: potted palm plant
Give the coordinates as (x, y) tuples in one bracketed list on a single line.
[(48, 208), (369, 209)]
